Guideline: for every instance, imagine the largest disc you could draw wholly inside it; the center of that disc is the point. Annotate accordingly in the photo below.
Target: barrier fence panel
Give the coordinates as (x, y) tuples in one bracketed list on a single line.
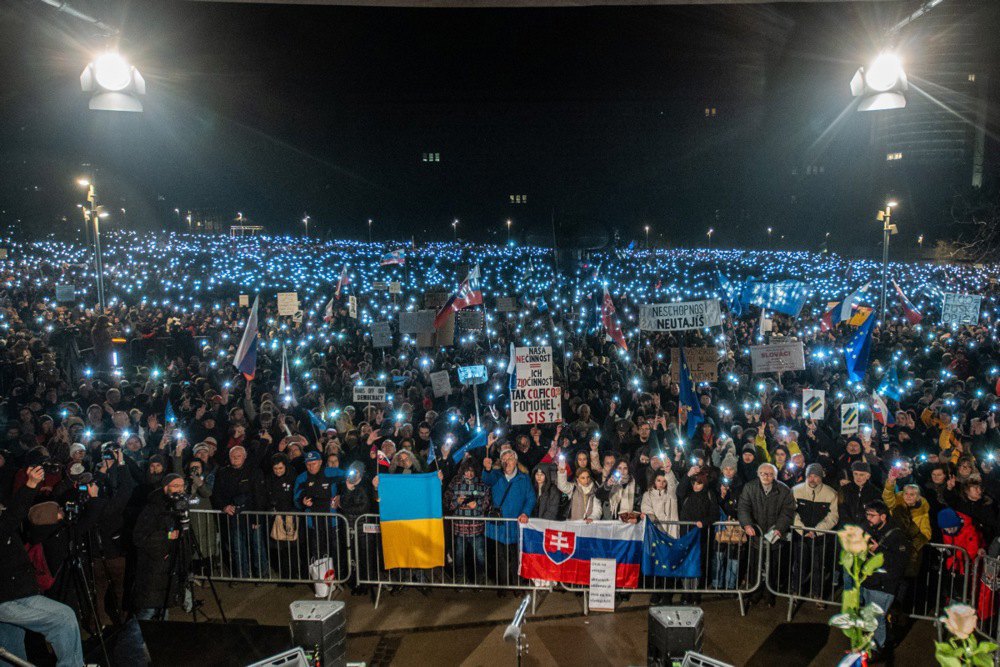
[(479, 553), (729, 563), (985, 585), (279, 547), (805, 566)]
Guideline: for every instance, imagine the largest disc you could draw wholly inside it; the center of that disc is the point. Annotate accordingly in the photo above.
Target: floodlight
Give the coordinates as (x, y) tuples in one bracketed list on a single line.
[(881, 85), (114, 83)]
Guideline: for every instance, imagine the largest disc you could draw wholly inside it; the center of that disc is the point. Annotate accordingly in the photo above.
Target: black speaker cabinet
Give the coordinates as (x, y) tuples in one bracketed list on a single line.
[(673, 631), (320, 626)]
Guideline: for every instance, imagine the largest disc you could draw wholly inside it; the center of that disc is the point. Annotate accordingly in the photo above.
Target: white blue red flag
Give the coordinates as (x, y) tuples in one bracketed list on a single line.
[(609, 318), (841, 312), (561, 550), (345, 279), (285, 385), (246, 354), (394, 257), (912, 315), (469, 294), (881, 411)]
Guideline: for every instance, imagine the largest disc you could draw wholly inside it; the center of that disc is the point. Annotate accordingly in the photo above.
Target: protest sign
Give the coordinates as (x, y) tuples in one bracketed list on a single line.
[(288, 303), (849, 418), (534, 399), (777, 357), (703, 362), (440, 384), (680, 316), (472, 374), (65, 293), (369, 394), (813, 403), (381, 334), (961, 308)]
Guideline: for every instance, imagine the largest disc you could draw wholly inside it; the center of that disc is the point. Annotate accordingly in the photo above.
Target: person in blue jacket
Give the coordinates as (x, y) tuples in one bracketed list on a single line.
[(316, 491), (512, 498)]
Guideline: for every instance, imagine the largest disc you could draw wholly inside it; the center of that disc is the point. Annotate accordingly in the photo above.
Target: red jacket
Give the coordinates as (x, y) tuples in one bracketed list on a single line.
[(967, 538)]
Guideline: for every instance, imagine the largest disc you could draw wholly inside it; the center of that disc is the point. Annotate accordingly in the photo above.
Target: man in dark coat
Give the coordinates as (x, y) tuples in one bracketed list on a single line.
[(881, 586), (856, 494), (162, 558), (766, 505)]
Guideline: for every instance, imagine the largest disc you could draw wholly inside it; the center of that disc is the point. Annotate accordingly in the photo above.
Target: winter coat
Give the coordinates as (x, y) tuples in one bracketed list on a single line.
[(17, 574), (520, 499), (766, 511), (967, 538), (617, 497), (815, 508), (914, 522), (700, 506), (892, 545), (662, 506), (583, 505), (547, 498), (853, 499), (278, 492), (155, 583), (354, 502)]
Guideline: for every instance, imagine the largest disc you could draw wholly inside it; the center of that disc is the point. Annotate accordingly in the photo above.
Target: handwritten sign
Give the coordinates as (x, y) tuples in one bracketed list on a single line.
[(777, 357), (703, 362), (440, 384), (472, 374), (288, 303), (602, 584), (65, 293), (381, 334), (368, 394), (534, 399), (961, 308)]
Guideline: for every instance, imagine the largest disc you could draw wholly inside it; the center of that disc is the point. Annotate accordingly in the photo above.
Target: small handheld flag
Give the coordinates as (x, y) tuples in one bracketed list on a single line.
[(468, 294), (610, 321), (246, 354)]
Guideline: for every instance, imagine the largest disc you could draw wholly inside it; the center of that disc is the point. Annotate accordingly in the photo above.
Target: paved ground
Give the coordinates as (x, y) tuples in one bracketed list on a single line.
[(448, 627)]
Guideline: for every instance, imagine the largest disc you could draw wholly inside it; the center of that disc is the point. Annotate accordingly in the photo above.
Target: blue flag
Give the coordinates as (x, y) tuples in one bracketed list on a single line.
[(169, 415), (477, 442), (688, 397), (430, 453), (316, 421), (857, 350), (890, 385), (785, 296), (730, 294), (665, 556)]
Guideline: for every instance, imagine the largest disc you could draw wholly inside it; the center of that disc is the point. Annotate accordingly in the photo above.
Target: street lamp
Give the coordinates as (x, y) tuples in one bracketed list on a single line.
[(369, 230), (881, 85), (711, 230), (93, 216), (189, 220), (647, 236), (769, 230), (920, 242), (115, 85), (305, 221), (508, 230), (885, 217), (454, 228)]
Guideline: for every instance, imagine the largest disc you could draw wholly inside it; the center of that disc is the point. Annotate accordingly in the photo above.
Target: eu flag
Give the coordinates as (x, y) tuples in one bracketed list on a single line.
[(890, 385), (689, 399), (665, 556), (857, 350)]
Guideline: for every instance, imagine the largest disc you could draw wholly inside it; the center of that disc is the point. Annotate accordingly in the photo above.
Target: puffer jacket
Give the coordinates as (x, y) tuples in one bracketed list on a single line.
[(815, 508), (915, 522)]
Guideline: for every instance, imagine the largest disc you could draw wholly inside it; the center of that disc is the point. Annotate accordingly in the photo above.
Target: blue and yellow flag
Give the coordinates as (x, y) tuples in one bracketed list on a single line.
[(412, 527)]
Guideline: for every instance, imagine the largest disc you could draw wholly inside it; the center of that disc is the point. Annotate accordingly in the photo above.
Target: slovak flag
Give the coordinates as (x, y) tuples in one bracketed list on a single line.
[(512, 369), (246, 354), (841, 312), (344, 280), (328, 311), (469, 294), (394, 257), (912, 315), (609, 320), (561, 550), (285, 385), (881, 411)]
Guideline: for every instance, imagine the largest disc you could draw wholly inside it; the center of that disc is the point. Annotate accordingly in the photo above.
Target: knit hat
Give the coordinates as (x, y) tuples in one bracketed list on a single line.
[(729, 461), (750, 447), (44, 514), (201, 447), (861, 466), (157, 458), (76, 446), (169, 477), (815, 469), (948, 518)]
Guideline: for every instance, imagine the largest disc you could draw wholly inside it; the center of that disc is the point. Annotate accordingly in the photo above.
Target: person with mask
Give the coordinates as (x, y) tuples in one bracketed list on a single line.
[(22, 607)]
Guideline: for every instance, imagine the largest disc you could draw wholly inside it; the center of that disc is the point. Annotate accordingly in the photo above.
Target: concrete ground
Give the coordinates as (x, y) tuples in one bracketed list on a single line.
[(452, 627)]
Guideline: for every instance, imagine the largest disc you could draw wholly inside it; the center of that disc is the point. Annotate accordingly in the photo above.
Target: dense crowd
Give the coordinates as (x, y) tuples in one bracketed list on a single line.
[(112, 419)]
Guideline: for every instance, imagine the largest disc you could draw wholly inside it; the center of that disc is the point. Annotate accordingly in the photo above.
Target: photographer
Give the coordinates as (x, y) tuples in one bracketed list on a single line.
[(21, 606), (161, 556)]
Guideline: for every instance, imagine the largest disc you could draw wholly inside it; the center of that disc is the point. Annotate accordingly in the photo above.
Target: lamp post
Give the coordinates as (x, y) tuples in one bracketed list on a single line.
[(769, 230), (508, 230), (305, 221), (95, 218), (177, 211), (920, 242), (885, 217), (189, 221), (647, 236), (711, 230), (369, 230), (454, 228)]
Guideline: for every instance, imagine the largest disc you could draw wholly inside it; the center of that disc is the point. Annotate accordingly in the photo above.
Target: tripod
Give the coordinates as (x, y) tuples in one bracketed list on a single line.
[(75, 571), (188, 544)]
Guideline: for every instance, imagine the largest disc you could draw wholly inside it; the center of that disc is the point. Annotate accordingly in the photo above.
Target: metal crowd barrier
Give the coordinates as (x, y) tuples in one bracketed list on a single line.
[(730, 564), (473, 559), (987, 602), (275, 547), (804, 566)]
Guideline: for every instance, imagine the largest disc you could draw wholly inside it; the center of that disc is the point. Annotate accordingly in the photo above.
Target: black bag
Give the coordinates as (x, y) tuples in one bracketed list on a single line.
[(497, 511)]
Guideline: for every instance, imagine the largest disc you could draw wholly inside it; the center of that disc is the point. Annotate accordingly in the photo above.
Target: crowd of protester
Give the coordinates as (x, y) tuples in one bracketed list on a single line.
[(112, 418)]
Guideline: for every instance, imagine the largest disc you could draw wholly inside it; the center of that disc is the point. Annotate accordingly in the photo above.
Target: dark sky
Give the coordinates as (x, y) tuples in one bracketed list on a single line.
[(596, 114)]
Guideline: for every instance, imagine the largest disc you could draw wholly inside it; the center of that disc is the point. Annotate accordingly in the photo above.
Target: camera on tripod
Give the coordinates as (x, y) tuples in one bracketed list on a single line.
[(180, 506)]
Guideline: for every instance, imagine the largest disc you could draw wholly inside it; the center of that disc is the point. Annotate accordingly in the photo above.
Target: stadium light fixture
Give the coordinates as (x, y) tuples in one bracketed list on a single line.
[(114, 84), (881, 85)]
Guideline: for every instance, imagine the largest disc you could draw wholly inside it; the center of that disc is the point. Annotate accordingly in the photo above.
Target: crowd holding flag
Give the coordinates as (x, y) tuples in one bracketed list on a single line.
[(609, 319), (857, 350), (843, 310), (561, 550), (285, 383), (910, 312), (469, 294), (667, 556), (246, 353), (395, 257), (688, 397), (343, 281)]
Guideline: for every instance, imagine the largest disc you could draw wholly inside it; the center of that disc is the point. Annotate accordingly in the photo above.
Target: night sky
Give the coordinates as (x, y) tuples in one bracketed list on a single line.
[(596, 114)]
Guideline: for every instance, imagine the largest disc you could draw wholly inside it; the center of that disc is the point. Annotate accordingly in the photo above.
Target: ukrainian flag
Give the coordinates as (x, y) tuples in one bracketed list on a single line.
[(412, 527)]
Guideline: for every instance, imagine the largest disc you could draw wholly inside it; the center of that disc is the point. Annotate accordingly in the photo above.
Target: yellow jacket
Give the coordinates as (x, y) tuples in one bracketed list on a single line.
[(920, 515)]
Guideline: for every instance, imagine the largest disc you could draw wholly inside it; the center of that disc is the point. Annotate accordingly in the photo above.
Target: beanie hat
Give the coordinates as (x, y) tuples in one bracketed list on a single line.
[(815, 469), (861, 466), (948, 518), (169, 477), (76, 446), (750, 447), (729, 461), (156, 458)]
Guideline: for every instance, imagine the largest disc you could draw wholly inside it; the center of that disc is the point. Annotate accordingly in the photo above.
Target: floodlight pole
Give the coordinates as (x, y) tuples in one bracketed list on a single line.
[(885, 216)]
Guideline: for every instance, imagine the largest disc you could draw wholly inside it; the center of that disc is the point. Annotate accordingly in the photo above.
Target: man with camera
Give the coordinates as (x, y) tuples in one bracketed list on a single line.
[(21, 606), (162, 557)]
